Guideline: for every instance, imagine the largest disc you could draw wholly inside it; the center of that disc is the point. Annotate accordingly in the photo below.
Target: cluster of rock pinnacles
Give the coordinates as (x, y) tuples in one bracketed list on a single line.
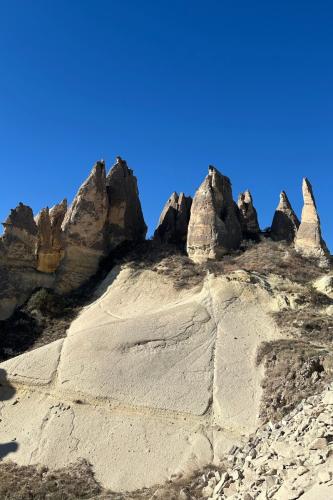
[(61, 247)]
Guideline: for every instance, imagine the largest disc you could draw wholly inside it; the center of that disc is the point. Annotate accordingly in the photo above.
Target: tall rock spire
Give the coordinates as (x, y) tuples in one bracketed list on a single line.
[(125, 220), (248, 215), (214, 228), (309, 241), (285, 222), (173, 222), (50, 244)]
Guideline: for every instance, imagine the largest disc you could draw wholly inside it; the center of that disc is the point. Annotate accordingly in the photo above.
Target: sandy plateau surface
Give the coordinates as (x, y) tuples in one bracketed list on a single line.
[(149, 379)]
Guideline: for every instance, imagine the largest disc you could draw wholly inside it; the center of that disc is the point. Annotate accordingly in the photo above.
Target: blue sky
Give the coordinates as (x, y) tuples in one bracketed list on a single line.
[(171, 86)]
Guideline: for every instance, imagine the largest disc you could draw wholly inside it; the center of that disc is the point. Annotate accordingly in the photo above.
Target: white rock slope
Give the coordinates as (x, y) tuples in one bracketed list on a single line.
[(149, 379)]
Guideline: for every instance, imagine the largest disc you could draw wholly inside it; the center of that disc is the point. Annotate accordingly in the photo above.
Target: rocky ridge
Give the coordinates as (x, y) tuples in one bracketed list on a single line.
[(62, 247)]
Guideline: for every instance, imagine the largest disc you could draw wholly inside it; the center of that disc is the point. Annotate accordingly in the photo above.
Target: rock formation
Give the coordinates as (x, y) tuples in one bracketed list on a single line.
[(18, 260), (20, 236), (84, 228), (62, 248), (309, 241), (173, 222), (50, 245), (285, 222), (125, 220), (248, 215), (214, 228)]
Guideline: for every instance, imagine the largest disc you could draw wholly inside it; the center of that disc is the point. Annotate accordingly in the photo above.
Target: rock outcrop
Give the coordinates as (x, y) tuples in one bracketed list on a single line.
[(248, 215), (18, 260), (174, 219), (285, 222), (20, 236), (50, 244), (62, 249), (214, 228), (309, 241), (84, 228), (125, 220)]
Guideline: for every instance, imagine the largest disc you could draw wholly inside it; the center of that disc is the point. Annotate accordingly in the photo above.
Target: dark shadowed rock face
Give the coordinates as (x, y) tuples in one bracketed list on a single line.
[(214, 227), (309, 241), (125, 220), (285, 222), (248, 215), (173, 222)]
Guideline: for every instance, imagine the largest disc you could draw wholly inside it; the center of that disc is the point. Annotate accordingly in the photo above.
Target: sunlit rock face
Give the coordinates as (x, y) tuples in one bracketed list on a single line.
[(173, 222), (62, 248), (285, 222), (50, 244), (214, 227), (18, 260), (309, 241)]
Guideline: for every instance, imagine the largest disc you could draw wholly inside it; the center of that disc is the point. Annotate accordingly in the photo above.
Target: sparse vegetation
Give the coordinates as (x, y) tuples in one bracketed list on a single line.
[(29, 482), (294, 370)]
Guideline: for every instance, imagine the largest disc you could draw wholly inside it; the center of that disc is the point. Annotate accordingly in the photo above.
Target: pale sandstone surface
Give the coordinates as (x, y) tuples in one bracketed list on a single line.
[(285, 222), (214, 227), (146, 379), (309, 241), (325, 285)]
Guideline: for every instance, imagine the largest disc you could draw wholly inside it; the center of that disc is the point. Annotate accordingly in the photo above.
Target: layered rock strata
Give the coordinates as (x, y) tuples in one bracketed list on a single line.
[(309, 241), (285, 222), (214, 227), (174, 219), (248, 215)]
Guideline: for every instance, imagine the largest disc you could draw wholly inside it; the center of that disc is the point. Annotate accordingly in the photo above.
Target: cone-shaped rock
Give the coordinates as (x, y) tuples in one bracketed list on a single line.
[(173, 222), (125, 220), (248, 215), (84, 228), (50, 246), (214, 228), (85, 219), (309, 241), (285, 222)]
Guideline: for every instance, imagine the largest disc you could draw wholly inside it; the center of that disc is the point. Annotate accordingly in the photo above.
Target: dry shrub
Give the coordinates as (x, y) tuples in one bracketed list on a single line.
[(294, 370), (29, 482)]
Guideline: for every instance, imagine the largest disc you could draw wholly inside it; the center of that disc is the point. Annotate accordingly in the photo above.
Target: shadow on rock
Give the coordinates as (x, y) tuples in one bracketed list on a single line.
[(7, 391)]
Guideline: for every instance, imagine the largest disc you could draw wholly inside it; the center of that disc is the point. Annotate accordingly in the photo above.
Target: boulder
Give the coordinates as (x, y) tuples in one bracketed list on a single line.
[(50, 245), (309, 241), (125, 220), (285, 222), (214, 228), (248, 215), (173, 222)]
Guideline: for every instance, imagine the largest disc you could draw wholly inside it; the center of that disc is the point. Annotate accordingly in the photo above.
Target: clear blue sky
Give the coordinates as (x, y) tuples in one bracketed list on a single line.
[(172, 86)]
